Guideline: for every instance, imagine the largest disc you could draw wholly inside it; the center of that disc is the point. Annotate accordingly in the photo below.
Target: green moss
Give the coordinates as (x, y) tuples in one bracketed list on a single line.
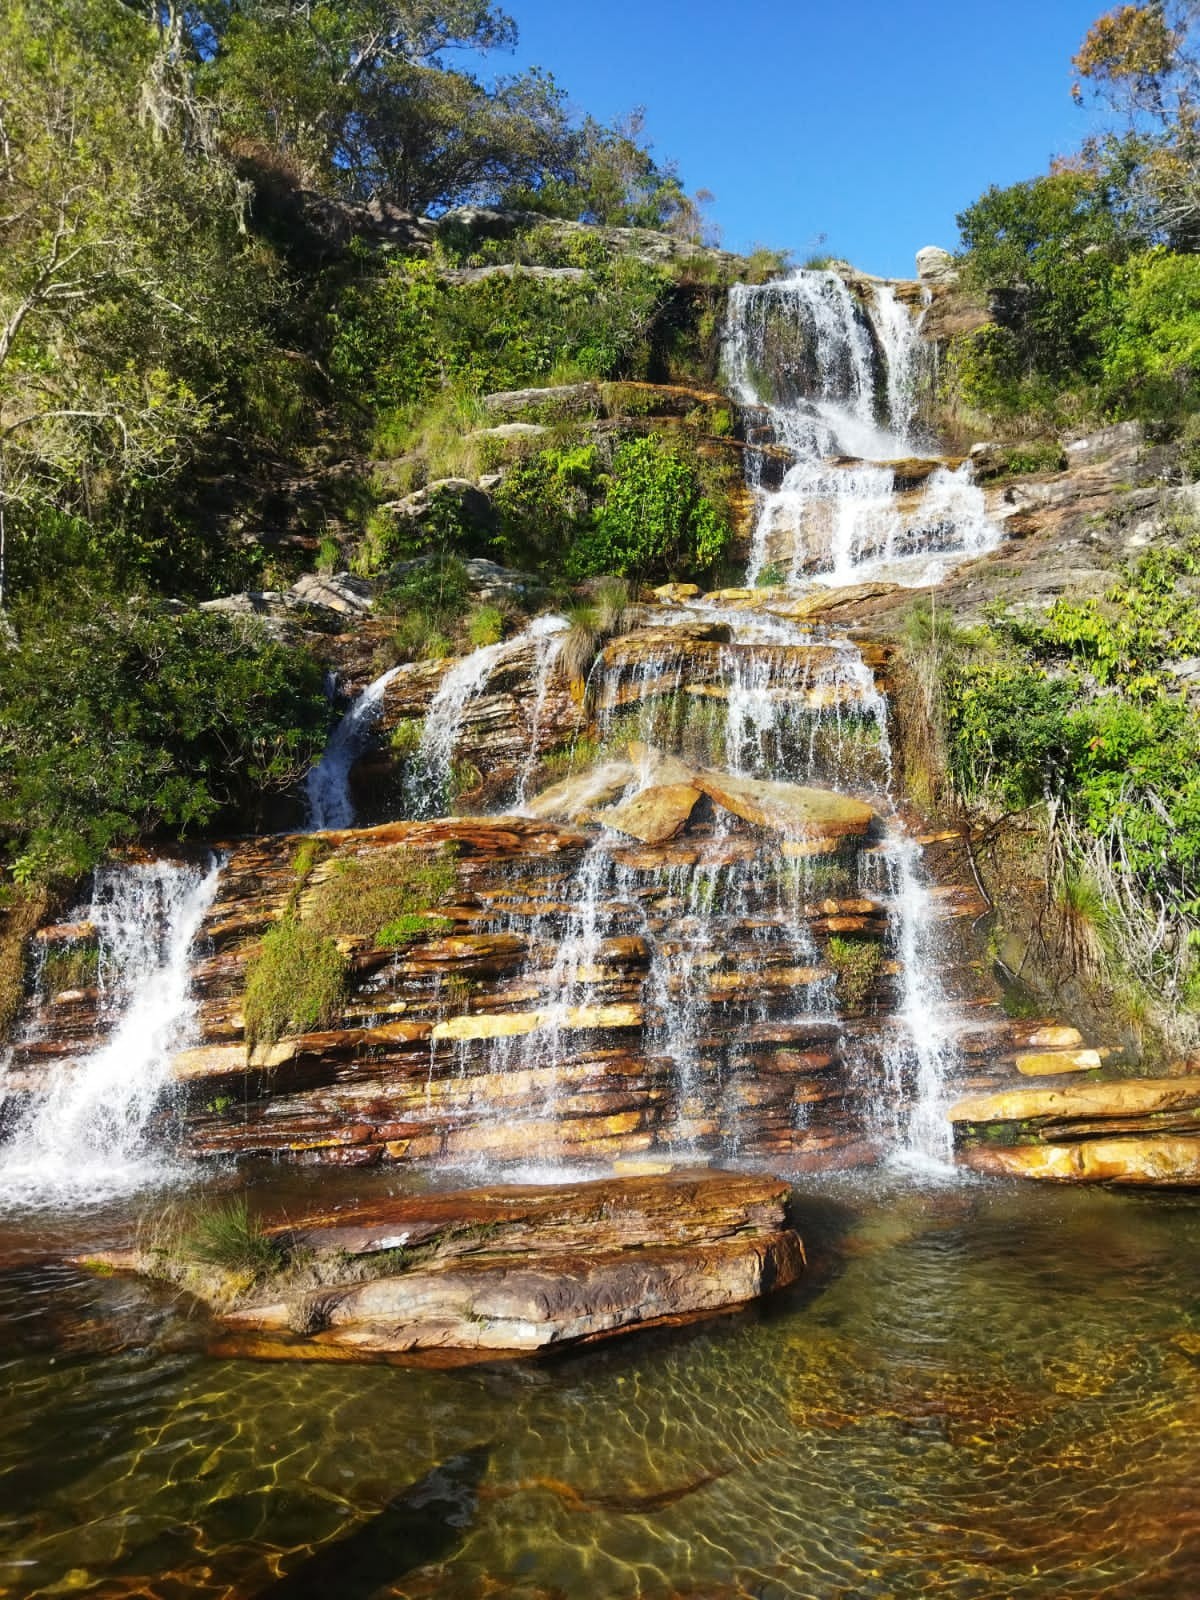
[(368, 896), (71, 966), (856, 963), (295, 983), (405, 738)]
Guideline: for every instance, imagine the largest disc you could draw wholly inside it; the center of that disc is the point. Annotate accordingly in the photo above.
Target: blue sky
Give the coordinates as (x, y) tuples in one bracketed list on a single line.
[(868, 122)]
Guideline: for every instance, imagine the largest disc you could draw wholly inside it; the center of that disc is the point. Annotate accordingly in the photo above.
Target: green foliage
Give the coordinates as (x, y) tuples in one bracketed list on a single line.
[(71, 966), (428, 602), (294, 984), (360, 95), (119, 720), (403, 331), (406, 737), (484, 626), (135, 309), (1152, 346), (226, 1234), (412, 925), (1080, 708), (543, 500), (369, 896), (655, 517)]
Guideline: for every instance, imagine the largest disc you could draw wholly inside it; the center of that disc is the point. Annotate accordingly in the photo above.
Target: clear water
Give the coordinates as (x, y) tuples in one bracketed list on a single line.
[(978, 1391)]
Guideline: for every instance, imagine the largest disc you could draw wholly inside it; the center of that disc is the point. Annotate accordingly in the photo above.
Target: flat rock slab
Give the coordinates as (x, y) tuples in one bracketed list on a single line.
[(1121, 1097), (788, 808), (513, 1270), (1165, 1162), (655, 815)]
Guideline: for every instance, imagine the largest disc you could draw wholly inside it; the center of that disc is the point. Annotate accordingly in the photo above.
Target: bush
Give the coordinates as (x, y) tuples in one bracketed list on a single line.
[(655, 518), (295, 984), (485, 626), (227, 1235), (1081, 708), (402, 332), (544, 502), (120, 721), (1152, 347)]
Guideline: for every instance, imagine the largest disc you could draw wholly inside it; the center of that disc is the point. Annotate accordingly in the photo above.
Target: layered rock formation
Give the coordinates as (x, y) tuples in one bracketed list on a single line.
[(477, 1274)]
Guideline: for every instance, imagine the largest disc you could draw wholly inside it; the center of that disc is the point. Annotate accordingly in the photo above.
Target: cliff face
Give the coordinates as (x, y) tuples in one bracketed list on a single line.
[(685, 903)]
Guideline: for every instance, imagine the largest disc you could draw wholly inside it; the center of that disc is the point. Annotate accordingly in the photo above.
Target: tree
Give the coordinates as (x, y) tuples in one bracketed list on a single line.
[(1144, 61), (359, 96), (128, 287), (1048, 249)]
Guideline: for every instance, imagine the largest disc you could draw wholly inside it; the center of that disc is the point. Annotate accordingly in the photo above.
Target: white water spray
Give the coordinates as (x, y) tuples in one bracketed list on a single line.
[(83, 1139), (433, 763)]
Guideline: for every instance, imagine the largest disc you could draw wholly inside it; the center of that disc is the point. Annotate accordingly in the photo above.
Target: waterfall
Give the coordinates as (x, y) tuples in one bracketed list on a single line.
[(920, 1052), (328, 783), (838, 379), (899, 340), (83, 1136), (431, 779), (797, 351), (547, 644)]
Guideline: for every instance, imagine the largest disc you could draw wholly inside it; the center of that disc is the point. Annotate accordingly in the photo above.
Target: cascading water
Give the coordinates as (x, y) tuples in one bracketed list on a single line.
[(838, 381), (82, 1135), (836, 522), (327, 786), (430, 782)]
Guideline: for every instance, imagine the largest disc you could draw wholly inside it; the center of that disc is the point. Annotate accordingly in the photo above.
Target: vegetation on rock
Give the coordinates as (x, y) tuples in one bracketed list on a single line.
[(294, 984)]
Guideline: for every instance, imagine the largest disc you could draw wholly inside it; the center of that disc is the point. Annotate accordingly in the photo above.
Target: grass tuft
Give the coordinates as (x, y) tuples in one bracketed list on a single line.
[(295, 984)]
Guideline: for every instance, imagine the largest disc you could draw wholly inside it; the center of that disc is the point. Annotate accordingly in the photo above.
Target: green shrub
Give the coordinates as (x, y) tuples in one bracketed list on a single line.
[(120, 720), (1152, 345), (295, 984), (655, 517), (544, 501), (485, 626)]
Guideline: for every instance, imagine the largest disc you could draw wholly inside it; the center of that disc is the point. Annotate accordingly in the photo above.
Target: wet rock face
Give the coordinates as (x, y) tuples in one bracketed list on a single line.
[(515, 1270), (1125, 1130)]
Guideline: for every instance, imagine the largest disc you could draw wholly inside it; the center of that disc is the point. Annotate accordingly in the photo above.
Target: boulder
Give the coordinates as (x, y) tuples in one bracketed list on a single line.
[(655, 815), (1049, 1063), (341, 592), (472, 505), (935, 265), (558, 401)]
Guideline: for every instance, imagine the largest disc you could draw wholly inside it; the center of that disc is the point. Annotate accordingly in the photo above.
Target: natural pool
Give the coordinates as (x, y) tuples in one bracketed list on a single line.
[(981, 1390)]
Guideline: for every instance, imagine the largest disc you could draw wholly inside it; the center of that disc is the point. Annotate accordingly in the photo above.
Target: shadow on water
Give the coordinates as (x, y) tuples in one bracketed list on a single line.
[(422, 1524)]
